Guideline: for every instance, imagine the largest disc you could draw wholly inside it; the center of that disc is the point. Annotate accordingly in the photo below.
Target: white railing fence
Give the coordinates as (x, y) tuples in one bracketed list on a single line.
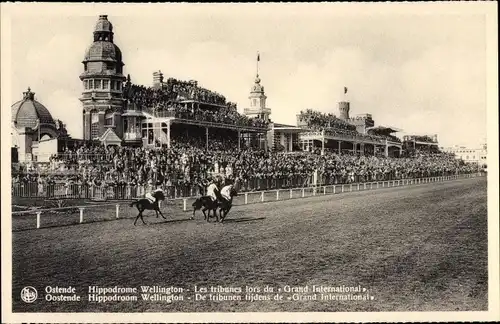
[(117, 211)]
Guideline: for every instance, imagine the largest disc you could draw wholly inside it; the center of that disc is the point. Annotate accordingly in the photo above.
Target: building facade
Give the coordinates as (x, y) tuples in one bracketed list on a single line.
[(31, 125), (469, 155)]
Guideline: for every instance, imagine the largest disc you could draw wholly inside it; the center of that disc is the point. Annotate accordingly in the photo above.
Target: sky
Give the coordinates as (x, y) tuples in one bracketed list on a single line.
[(419, 71)]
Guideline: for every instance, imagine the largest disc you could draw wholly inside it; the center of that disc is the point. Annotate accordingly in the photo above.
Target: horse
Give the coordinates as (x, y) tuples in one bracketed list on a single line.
[(206, 203), (145, 204), (225, 204)]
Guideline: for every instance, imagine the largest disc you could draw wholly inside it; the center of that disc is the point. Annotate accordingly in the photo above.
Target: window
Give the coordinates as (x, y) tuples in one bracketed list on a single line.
[(94, 128), (112, 85), (467, 157), (97, 84), (110, 65), (118, 85), (86, 84), (91, 84), (105, 84), (109, 121)]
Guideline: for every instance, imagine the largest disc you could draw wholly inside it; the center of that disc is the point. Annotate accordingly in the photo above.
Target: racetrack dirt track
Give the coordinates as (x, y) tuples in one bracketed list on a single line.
[(417, 248)]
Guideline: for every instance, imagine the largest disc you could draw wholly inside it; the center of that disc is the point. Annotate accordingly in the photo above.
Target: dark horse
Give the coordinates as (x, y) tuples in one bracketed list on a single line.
[(206, 203), (224, 203), (145, 204)]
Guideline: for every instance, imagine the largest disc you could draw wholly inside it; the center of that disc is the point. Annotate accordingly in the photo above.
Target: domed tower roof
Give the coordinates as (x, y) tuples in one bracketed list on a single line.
[(27, 111), (257, 87), (103, 49), (103, 25)]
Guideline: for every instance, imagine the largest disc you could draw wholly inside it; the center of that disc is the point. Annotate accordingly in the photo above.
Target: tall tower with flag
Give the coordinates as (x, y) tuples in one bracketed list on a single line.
[(258, 99), (344, 107)]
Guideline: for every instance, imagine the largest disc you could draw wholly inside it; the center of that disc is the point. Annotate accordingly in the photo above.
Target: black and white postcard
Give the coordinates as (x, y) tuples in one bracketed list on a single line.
[(266, 162)]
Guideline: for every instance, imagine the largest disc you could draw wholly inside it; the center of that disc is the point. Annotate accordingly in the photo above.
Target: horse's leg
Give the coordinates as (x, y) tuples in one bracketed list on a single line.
[(227, 211), (137, 218), (159, 211), (142, 218), (217, 219), (137, 215)]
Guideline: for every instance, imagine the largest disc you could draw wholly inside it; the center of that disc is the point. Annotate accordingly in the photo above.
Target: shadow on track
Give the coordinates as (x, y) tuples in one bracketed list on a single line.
[(244, 219)]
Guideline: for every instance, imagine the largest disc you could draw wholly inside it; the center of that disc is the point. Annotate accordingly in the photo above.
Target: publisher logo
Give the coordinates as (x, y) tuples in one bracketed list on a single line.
[(29, 294)]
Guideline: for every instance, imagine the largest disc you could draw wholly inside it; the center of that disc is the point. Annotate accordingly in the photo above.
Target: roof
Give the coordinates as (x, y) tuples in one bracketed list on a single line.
[(103, 51), (284, 125), (110, 137), (26, 112)]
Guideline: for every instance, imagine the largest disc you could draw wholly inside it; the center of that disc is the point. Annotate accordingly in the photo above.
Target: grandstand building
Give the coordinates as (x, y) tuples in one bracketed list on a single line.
[(112, 116), (346, 134), (427, 143)]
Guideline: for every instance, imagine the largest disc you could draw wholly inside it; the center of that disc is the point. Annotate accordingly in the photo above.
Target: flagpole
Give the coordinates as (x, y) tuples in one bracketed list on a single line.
[(258, 59)]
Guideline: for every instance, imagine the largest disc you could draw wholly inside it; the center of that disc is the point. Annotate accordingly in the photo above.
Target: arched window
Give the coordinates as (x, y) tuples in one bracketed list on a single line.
[(109, 118)]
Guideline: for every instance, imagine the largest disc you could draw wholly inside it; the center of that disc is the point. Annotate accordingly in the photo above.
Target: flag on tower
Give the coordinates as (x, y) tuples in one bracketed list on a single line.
[(345, 90), (258, 57)]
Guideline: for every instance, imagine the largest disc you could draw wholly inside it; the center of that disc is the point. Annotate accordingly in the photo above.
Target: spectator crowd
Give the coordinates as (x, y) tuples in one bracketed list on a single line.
[(166, 101), (187, 165)]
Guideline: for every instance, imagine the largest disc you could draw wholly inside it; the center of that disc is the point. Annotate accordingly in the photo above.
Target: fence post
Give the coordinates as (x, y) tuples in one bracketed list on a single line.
[(246, 198), (364, 186), (342, 188), (350, 187), (117, 211), (303, 193), (324, 190), (291, 193), (334, 186), (277, 194), (184, 202), (314, 191), (38, 214), (81, 214), (262, 196)]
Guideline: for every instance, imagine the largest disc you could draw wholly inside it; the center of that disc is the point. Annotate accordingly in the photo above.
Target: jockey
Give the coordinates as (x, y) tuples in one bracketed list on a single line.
[(226, 191), (211, 189), (150, 197)]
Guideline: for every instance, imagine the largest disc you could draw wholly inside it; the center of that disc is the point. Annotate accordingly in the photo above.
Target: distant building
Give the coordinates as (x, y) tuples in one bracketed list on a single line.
[(33, 128), (469, 155)]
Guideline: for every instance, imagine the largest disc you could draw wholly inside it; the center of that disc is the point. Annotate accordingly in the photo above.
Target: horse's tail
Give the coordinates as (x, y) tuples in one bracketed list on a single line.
[(133, 203)]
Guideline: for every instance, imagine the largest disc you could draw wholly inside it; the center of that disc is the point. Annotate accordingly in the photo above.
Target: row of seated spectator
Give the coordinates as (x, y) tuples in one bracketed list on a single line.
[(167, 102), (318, 119)]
